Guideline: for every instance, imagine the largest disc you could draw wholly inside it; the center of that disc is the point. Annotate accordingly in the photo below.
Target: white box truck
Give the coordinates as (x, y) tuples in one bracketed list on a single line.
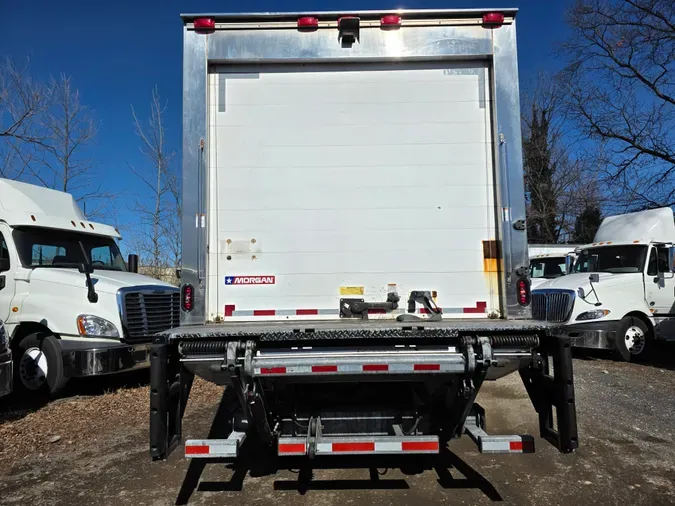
[(621, 292), (70, 304), (354, 247)]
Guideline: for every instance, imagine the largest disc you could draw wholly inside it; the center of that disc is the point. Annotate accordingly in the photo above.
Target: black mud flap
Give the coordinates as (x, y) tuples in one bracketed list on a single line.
[(170, 386), (554, 390)]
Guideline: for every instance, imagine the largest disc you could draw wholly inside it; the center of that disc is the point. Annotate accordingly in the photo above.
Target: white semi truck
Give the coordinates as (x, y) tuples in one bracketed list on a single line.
[(621, 292), (71, 305), (354, 248), (549, 261)]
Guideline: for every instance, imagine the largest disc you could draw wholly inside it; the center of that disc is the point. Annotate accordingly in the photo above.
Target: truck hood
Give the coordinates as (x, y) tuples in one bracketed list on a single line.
[(104, 281), (580, 280)]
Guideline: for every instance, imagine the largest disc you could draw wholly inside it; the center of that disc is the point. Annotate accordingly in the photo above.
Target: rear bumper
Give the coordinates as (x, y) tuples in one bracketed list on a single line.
[(6, 373), (97, 359), (595, 335)]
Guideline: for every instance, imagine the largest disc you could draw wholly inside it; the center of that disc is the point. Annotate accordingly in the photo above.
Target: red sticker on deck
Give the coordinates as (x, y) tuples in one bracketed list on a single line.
[(250, 280)]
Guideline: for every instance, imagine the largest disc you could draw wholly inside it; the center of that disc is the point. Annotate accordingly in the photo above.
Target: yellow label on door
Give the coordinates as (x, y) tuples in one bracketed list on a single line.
[(351, 290)]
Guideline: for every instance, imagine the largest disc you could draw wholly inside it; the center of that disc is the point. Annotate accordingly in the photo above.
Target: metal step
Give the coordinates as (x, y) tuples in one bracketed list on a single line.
[(215, 448), (495, 444)]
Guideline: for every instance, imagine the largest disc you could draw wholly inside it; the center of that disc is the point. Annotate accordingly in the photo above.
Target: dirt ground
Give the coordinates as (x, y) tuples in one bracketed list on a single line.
[(91, 447)]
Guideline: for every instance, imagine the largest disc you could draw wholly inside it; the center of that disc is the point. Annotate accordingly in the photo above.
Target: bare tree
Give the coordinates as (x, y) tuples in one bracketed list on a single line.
[(158, 214), (621, 89), (22, 104), (69, 129), (559, 184)]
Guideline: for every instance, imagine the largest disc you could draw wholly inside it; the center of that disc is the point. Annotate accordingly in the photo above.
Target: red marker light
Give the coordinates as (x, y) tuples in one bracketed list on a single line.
[(187, 298), (493, 19), (204, 25), (308, 23), (523, 288), (390, 22)]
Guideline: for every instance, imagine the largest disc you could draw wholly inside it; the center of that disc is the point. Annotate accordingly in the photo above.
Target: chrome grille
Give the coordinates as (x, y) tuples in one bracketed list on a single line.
[(147, 312), (552, 306)]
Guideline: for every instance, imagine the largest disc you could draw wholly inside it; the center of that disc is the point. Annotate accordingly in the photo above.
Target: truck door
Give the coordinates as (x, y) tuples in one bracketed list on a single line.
[(6, 277), (660, 290)]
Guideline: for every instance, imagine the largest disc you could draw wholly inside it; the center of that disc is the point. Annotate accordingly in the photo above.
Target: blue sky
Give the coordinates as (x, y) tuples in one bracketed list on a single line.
[(116, 52)]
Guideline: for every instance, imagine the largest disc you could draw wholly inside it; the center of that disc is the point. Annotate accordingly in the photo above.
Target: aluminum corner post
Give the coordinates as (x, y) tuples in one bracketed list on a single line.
[(257, 40), (509, 162), (195, 105)]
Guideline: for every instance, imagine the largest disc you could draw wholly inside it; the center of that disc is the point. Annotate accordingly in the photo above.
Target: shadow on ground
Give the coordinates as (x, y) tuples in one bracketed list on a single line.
[(662, 356), (18, 404), (257, 461)]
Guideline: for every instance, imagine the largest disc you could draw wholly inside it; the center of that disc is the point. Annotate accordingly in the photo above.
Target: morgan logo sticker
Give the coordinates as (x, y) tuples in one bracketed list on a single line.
[(250, 280)]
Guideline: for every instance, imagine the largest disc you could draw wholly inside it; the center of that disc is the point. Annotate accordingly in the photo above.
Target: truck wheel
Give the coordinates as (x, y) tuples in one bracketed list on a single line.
[(39, 365), (633, 340)]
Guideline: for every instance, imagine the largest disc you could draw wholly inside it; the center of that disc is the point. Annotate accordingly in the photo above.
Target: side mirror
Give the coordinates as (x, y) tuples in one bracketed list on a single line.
[(132, 263), (4, 264), (671, 259), (594, 278), (85, 268)]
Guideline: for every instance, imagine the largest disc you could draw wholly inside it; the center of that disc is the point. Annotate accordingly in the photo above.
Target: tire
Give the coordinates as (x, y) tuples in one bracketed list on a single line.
[(35, 354), (633, 340)]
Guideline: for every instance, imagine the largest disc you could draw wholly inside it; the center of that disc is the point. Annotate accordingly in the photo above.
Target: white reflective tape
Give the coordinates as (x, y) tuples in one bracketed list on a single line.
[(388, 447)]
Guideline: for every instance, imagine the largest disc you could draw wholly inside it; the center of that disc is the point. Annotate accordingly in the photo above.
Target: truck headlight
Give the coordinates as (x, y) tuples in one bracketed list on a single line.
[(95, 326), (593, 315)]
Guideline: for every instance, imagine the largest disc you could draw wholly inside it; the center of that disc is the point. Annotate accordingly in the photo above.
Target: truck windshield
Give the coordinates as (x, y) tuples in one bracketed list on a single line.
[(614, 259), (42, 247), (548, 268)]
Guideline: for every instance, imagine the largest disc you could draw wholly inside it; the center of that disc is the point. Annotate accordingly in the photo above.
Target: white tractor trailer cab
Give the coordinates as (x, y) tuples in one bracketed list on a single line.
[(621, 292), (71, 304), (549, 261)]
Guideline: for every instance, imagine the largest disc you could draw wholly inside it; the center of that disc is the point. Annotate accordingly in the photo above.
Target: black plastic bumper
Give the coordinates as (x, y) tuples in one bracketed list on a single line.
[(6, 373), (81, 358)]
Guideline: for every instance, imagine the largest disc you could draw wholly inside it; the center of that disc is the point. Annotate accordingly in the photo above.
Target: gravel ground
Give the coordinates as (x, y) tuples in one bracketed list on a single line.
[(627, 452)]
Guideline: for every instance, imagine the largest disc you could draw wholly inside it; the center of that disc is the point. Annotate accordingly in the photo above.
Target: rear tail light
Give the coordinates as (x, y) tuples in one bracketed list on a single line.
[(187, 298), (390, 22), (493, 19), (523, 289), (204, 25), (308, 23)]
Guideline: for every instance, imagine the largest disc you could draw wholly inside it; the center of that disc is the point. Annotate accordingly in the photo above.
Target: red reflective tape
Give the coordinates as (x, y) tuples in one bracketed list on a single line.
[(377, 311), (427, 367), (304, 312), (480, 308), (353, 447), (324, 368), (419, 446), (292, 448), (197, 450), (272, 370), (264, 312), (229, 309), (424, 310), (375, 367), (521, 446)]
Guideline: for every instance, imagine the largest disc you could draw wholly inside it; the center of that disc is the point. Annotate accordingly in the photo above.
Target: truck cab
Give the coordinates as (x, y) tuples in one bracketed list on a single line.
[(549, 266), (620, 294), (70, 303)]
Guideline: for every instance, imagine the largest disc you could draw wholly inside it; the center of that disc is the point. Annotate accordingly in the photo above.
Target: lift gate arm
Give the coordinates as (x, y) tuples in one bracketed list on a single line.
[(171, 383)]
